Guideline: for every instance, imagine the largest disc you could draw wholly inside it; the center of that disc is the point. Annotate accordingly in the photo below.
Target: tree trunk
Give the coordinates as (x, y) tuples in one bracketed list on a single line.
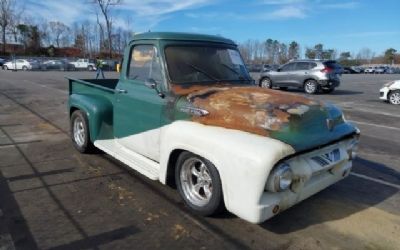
[(4, 40)]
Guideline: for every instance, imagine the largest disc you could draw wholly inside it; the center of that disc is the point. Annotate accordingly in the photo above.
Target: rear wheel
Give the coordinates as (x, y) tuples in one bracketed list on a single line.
[(394, 97), (5, 67), (199, 184), (80, 132), (311, 87), (90, 68), (24, 68), (266, 83)]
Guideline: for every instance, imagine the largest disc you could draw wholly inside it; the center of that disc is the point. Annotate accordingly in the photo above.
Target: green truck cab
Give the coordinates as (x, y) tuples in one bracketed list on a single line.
[(185, 111)]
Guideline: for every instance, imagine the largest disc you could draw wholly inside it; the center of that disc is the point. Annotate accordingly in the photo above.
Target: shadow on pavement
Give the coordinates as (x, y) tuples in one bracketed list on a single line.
[(338, 201)]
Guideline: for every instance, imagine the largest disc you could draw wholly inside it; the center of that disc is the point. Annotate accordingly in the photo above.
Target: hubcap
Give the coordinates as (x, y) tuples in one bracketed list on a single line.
[(196, 181), (79, 132), (395, 98), (266, 83), (310, 87)]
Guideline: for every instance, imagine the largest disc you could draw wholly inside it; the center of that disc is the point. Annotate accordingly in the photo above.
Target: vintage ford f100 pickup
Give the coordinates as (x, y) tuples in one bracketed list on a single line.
[(186, 112)]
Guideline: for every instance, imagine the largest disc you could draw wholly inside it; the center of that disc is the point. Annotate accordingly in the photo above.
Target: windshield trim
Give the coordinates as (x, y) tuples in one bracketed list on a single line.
[(203, 44)]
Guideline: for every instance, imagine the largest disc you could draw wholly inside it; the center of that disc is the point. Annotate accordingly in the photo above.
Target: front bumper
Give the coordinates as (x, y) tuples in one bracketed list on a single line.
[(383, 93), (311, 177)]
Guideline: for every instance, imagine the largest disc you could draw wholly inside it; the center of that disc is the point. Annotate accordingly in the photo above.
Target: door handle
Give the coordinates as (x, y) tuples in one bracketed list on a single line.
[(121, 91)]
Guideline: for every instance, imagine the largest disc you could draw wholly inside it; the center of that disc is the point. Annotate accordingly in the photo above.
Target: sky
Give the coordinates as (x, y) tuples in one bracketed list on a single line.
[(345, 25)]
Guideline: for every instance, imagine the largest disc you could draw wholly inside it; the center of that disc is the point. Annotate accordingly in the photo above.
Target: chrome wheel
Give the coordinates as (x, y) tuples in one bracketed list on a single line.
[(266, 83), (394, 98), (310, 87), (79, 132), (196, 181)]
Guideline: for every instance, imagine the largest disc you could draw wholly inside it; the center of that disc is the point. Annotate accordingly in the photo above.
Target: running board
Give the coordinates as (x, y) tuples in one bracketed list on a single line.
[(134, 160)]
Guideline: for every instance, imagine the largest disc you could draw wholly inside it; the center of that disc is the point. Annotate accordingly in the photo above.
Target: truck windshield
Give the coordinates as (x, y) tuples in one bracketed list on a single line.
[(194, 64)]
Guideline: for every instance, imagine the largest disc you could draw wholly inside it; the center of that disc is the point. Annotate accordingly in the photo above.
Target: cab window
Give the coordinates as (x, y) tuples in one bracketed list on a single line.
[(144, 64)]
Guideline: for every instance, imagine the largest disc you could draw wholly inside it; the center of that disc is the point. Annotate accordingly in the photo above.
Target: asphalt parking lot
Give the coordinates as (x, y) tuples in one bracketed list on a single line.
[(52, 197)]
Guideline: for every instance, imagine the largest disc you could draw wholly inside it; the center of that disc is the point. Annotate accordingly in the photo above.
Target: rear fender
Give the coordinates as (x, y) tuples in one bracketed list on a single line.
[(99, 112)]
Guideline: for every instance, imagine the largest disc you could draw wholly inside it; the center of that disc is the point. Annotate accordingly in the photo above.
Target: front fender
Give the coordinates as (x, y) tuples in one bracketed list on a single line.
[(99, 111), (242, 159)]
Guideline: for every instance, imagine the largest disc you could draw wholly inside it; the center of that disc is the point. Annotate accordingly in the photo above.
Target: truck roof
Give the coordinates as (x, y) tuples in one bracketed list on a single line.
[(181, 36)]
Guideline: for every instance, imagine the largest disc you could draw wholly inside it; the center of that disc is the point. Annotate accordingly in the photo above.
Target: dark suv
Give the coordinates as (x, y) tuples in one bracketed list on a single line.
[(311, 75)]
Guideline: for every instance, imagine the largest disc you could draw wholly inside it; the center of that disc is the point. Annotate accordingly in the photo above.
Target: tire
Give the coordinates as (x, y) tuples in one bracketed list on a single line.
[(311, 87), (79, 128), (90, 68), (5, 67), (394, 97), (266, 83), (328, 90), (24, 68), (206, 180)]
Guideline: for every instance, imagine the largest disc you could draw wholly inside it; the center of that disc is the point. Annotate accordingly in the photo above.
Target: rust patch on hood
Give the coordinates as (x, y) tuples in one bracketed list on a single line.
[(249, 109)]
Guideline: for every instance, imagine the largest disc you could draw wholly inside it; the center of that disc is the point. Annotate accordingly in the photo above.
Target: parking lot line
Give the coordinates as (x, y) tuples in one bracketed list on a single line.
[(375, 180), (375, 125)]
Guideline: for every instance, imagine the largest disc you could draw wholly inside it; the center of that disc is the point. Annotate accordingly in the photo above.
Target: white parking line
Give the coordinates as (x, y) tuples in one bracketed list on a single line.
[(375, 180), (375, 125)]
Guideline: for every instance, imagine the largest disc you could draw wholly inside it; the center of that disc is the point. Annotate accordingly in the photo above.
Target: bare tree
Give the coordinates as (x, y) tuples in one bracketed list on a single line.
[(58, 29), (105, 8), (6, 13)]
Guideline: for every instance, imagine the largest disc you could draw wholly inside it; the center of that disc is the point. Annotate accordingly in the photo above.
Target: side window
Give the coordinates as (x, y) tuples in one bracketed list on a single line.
[(303, 66), (313, 65), (144, 64), (288, 67)]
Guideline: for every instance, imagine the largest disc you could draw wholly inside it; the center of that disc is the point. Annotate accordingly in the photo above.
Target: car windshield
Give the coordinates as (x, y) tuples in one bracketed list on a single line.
[(194, 64)]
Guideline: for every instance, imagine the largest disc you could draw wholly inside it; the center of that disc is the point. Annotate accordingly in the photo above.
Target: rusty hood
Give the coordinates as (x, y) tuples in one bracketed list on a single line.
[(298, 121)]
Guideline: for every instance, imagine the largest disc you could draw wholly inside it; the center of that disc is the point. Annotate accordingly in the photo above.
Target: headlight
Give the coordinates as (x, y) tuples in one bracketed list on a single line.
[(280, 178)]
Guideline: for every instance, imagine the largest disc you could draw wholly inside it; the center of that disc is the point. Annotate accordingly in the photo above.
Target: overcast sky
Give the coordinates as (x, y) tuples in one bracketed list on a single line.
[(341, 24)]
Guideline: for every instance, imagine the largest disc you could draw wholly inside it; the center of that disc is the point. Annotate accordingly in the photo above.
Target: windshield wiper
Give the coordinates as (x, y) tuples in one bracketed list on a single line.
[(241, 77), (203, 72)]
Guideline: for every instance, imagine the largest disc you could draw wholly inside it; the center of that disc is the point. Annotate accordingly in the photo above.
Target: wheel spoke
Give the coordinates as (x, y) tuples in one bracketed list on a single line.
[(197, 188), (195, 172), (207, 191)]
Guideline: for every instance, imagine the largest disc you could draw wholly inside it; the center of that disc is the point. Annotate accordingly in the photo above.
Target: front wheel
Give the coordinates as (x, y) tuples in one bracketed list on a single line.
[(394, 97), (266, 83), (5, 67), (80, 132), (24, 68), (199, 184), (311, 87), (90, 68)]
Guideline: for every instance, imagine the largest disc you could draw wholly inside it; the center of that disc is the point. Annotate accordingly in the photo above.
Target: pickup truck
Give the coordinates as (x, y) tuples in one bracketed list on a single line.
[(84, 64), (185, 112)]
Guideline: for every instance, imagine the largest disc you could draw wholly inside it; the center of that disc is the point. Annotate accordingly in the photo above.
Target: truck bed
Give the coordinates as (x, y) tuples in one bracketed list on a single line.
[(102, 88)]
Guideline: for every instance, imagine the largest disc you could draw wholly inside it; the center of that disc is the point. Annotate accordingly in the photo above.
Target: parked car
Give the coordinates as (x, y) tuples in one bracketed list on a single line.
[(380, 70), (369, 70), (269, 67), (84, 64), (351, 70), (172, 119), (391, 92), (63, 65), (20, 64), (310, 75)]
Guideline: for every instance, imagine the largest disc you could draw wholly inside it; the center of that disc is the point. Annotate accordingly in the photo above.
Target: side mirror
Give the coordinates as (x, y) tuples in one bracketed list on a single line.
[(152, 84), (278, 69)]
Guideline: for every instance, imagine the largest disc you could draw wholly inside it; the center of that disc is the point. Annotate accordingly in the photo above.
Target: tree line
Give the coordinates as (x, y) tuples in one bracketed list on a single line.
[(273, 51), (102, 37), (40, 36)]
